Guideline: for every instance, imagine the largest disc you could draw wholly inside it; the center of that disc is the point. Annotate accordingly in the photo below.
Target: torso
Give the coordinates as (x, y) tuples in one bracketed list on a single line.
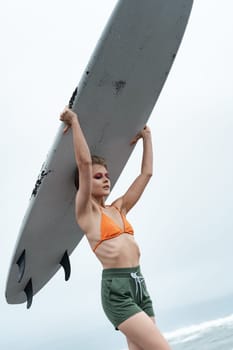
[(121, 251), (117, 252)]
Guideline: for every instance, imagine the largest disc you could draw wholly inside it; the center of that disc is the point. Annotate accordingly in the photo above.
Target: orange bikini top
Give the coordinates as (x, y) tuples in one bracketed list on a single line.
[(109, 229)]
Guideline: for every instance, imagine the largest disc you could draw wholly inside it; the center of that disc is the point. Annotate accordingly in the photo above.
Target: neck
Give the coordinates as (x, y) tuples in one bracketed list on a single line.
[(99, 201)]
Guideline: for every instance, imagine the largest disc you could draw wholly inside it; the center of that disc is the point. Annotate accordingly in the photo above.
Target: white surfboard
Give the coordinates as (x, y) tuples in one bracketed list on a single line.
[(115, 98)]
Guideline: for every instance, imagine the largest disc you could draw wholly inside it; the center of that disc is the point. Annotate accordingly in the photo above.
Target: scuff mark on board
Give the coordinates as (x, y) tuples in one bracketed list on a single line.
[(41, 177), (71, 101), (103, 133), (119, 86)]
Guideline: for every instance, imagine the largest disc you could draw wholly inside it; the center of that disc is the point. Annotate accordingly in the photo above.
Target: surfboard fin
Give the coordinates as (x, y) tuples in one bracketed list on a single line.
[(65, 263), (21, 262), (28, 290)]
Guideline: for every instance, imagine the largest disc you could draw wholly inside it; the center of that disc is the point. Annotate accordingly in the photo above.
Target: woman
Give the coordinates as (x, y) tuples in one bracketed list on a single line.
[(125, 299)]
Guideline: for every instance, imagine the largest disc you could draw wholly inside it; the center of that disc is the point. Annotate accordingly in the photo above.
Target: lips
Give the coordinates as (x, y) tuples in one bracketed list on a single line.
[(106, 187)]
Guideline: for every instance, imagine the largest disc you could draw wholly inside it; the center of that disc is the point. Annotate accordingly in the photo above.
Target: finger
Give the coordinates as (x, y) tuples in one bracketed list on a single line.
[(66, 128), (134, 140), (65, 111), (62, 116)]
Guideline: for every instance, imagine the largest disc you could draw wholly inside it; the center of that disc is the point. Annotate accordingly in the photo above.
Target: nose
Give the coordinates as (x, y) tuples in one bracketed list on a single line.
[(106, 178)]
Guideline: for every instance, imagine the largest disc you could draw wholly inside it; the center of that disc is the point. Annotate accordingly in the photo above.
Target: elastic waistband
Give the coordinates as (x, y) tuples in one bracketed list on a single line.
[(120, 272)]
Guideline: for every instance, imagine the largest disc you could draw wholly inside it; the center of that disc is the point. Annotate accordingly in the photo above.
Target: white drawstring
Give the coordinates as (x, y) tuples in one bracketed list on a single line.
[(138, 282)]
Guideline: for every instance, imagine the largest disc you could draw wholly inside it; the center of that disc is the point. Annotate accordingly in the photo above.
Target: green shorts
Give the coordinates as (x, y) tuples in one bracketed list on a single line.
[(124, 294)]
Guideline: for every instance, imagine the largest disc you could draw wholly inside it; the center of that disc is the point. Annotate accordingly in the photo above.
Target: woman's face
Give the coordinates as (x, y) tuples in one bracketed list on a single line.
[(100, 181)]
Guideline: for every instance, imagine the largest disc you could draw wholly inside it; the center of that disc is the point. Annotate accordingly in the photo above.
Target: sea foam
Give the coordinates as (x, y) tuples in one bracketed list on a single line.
[(193, 332)]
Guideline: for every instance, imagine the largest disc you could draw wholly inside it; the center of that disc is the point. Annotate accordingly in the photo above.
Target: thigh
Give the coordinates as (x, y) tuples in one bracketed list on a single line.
[(153, 319), (142, 331), (132, 346)]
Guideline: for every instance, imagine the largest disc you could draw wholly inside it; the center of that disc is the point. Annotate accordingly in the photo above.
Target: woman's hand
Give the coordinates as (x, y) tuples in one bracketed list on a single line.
[(145, 132), (68, 117)]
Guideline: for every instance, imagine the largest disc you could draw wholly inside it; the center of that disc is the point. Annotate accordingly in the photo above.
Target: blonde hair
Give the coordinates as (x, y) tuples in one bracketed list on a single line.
[(95, 160), (98, 160)]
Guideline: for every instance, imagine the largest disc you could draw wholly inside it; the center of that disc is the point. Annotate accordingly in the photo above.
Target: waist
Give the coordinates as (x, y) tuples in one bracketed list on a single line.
[(119, 252), (120, 272)]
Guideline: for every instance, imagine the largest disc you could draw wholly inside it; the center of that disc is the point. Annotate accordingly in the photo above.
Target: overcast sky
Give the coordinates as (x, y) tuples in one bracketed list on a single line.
[(184, 221)]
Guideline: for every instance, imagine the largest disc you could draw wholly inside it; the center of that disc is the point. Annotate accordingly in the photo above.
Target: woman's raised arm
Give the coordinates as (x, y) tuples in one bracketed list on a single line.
[(83, 160), (132, 195)]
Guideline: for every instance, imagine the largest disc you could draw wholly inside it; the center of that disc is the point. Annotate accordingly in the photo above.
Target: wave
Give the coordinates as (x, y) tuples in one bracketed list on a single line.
[(196, 331), (202, 330)]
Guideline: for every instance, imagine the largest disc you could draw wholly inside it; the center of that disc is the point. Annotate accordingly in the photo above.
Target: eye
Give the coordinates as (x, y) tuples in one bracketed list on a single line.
[(98, 176), (107, 176)]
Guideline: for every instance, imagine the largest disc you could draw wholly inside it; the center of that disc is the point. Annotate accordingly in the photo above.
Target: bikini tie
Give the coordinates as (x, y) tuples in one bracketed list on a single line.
[(138, 282)]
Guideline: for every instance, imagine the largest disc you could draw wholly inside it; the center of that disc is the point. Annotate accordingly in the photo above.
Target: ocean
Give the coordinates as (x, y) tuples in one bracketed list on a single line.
[(212, 335)]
